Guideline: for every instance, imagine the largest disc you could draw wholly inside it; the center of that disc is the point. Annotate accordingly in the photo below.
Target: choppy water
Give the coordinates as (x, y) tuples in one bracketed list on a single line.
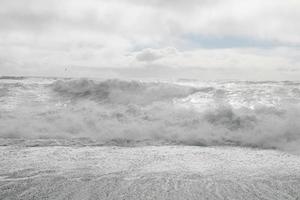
[(65, 111)]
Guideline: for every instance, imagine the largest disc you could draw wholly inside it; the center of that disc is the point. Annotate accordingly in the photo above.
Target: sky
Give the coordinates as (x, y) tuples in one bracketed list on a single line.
[(151, 39)]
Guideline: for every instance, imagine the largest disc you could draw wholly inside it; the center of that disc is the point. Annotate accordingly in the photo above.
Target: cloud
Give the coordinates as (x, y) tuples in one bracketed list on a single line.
[(158, 20), (149, 55), (224, 57), (37, 36), (178, 5)]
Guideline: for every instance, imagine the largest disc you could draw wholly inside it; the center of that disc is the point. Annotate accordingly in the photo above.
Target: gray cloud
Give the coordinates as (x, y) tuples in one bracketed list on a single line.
[(178, 5), (44, 36), (148, 55)]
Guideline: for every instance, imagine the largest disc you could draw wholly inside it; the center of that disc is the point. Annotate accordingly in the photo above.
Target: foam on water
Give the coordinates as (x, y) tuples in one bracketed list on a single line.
[(258, 114)]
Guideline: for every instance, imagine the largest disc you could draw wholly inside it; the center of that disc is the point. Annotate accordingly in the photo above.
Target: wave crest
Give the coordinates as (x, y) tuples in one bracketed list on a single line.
[(160, 123), (133, 113), (121, 92)]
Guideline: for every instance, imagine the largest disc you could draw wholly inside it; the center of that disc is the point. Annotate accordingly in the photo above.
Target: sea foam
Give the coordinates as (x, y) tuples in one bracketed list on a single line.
[(256, 114)]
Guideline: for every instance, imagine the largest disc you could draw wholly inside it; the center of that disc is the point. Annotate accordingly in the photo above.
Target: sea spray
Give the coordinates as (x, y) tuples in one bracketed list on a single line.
[(262, 115)]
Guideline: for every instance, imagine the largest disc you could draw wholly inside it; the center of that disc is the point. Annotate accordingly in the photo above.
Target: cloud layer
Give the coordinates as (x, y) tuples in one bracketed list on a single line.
[(46, 37)]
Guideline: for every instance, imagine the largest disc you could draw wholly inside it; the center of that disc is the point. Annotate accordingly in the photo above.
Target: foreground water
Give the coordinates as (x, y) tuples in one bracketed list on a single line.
[(52, 111), (148, 172)]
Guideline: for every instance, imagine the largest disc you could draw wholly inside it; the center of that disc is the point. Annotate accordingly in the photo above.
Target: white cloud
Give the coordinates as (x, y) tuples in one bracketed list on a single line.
[(232, 58), (42, 37), (149, 55)]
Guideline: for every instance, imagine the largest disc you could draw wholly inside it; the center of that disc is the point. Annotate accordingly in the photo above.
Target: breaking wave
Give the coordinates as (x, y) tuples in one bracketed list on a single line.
[(138, 113), (121, 92)]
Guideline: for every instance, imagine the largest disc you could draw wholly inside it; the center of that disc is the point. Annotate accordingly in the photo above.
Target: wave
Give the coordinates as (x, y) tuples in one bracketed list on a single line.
[(115, 112), (13, 77), (121, 92), (159, 123)]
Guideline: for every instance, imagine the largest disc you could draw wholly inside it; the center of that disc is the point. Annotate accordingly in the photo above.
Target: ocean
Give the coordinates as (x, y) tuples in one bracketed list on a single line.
[(56, 111), (120, 139)]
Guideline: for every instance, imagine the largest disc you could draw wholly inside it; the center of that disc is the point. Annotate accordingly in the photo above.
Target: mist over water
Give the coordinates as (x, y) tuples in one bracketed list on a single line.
[(118, 112)]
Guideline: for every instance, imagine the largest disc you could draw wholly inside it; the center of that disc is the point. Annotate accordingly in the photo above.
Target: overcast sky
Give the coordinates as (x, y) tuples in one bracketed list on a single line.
[(205, 39)]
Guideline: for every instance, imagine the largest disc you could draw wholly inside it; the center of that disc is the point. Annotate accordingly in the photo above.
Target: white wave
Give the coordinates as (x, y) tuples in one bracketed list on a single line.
[(121, 92), (122, 112)]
